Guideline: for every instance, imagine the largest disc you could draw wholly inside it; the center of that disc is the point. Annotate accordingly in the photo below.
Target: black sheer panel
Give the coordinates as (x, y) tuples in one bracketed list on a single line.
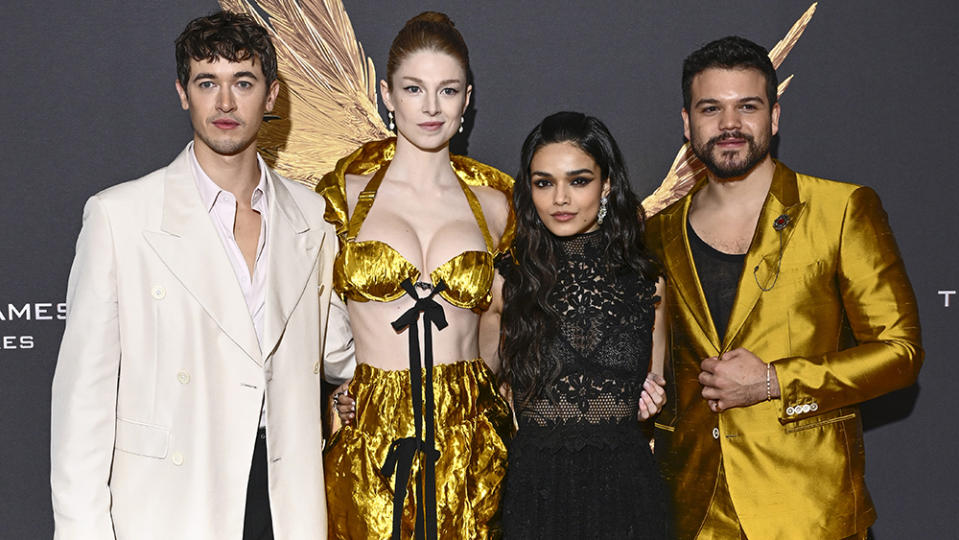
[(580, 466), (603, 341)]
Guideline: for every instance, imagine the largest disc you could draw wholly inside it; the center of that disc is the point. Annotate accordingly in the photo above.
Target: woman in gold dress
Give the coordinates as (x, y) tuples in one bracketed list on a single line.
[(418, 231)]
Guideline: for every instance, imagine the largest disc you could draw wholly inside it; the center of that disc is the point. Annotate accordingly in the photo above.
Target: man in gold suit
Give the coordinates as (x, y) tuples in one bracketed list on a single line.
[(789, 305)]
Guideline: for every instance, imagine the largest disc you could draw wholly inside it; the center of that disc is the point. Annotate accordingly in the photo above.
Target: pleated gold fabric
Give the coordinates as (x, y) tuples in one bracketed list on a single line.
[(825, 300), (372, 270), (473, 424)]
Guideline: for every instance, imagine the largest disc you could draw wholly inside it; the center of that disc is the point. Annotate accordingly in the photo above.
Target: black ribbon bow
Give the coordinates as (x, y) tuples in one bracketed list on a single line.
[(399, 458)]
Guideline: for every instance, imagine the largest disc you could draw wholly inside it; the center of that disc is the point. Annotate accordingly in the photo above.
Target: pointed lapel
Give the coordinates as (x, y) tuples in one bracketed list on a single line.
[(189, 246), (294, 248), (765, 253), (679, 260)]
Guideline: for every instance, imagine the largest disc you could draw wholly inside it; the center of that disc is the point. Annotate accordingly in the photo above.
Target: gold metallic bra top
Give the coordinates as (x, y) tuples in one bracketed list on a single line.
[(373, 270)]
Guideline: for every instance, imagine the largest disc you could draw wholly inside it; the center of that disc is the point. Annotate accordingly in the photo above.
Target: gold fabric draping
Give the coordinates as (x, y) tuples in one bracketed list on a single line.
[(473, 423)]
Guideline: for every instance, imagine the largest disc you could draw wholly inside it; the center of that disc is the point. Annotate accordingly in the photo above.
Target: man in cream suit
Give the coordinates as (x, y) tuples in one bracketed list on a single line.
[(186, 400), (789, 305)]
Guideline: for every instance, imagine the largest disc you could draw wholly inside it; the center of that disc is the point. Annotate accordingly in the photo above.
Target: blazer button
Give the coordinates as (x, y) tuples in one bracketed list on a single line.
[(806, 408), (715, 432), (790, 411), (177, 458), (158, 292), (813, 406), (183, 376)]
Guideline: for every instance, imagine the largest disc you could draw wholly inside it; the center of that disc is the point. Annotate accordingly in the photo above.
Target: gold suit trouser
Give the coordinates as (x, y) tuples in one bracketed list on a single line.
[(722, 523), (473, 424)]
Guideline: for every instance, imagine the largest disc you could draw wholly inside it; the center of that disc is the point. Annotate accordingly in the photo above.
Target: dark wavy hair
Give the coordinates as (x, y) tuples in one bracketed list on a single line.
[(234, 37), (731, 52), (528, 319)]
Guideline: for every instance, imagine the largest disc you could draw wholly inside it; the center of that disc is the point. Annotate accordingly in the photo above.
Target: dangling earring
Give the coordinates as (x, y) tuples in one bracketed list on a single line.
[(602, 210), (392, 123), (461, 124)]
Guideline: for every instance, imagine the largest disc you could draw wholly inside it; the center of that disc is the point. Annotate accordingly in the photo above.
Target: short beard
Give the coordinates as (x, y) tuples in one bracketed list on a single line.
[(757, 151), (226, 148)]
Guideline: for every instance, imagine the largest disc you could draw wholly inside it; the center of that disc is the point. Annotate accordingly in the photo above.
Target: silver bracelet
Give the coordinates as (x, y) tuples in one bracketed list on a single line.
[(769, 394)]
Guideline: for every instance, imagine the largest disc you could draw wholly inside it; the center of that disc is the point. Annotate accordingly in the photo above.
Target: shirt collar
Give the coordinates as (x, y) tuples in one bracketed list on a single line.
[(209, 191)]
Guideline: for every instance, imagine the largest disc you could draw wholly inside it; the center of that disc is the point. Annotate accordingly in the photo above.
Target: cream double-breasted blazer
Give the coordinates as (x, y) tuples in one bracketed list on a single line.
[(160, 377)]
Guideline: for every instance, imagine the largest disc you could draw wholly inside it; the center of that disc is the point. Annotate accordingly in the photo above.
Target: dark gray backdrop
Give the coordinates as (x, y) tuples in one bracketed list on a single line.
[(89, 102)]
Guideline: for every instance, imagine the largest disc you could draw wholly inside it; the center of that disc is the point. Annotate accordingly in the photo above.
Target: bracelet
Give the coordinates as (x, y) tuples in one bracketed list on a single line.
[(769, 394)]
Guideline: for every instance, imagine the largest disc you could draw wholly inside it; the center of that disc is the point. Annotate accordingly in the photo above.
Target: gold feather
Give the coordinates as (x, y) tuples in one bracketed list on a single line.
[(687, 168), (327, 106), (327, 102), (683, 173), (779, 52)]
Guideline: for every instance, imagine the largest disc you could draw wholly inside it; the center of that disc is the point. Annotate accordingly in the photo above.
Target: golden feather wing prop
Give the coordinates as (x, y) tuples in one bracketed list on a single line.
[(687, 168), (328, 105), (327, 102)]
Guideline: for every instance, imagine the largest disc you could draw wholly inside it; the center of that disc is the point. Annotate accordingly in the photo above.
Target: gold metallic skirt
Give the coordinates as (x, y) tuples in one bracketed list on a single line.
[(472, 423)]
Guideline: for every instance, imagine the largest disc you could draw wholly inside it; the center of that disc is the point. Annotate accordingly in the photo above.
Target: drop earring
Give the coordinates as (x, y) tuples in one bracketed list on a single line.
[(602, 210), (461, 123), (392, 123)]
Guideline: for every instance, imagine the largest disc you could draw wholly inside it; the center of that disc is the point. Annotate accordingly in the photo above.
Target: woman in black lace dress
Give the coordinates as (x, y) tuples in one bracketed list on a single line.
[(581, 329)]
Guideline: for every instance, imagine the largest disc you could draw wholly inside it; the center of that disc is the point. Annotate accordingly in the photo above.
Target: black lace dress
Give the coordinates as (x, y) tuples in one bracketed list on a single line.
[(580, 464)]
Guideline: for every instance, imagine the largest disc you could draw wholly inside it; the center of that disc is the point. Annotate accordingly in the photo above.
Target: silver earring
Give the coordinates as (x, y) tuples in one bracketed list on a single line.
[(461, 124), (602, 210), (392, 123)]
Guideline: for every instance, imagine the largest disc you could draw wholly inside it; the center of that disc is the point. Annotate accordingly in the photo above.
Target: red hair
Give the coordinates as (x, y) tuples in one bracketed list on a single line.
[(432, 31)]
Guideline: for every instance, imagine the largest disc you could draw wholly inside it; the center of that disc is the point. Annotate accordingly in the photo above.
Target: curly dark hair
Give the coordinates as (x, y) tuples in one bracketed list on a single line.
[(235, 37), (528, 320), (731, 52)]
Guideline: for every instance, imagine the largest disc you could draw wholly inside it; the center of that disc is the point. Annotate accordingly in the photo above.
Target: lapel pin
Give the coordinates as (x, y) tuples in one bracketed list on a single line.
[(781, 222)]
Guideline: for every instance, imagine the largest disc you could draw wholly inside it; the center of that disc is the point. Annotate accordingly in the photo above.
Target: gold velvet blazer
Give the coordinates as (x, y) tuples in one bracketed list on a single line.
[(839, 322)]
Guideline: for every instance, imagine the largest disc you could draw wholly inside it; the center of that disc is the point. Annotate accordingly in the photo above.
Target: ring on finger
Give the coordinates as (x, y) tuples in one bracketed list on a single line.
[(336, 397)]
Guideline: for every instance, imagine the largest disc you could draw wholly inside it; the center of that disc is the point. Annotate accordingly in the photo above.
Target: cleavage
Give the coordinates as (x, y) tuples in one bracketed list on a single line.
[(427, 253)]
